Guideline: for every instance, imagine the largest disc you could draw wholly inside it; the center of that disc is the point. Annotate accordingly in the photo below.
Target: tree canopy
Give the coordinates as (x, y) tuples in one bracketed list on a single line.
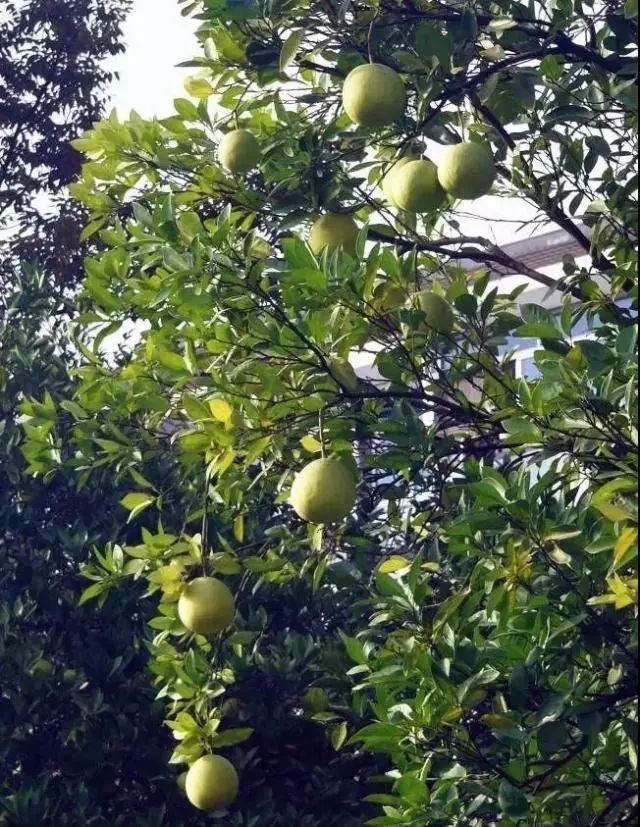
[(80, 737), (473, 621), (53, 79)]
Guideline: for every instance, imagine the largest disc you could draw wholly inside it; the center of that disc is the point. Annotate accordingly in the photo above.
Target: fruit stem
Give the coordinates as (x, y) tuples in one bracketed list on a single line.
[(204, 531), (323, 452), (369, 38)]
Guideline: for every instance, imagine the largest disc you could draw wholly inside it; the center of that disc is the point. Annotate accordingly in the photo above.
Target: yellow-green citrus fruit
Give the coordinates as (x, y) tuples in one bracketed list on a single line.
[(323, 492), (415, 187), (333, 230), (437, 310), (181, 781), (342, 370), (373, 95), (387, 297), (211, 783), (467, 170), (315, 700), (387, 181), (239, 151), (206, 606)]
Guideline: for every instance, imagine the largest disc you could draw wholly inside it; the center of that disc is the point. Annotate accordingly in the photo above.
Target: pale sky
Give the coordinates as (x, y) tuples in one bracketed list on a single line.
[(157, 38)]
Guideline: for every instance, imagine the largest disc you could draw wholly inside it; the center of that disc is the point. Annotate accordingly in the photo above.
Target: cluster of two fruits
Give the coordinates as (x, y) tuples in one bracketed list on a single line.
[(207, 607)]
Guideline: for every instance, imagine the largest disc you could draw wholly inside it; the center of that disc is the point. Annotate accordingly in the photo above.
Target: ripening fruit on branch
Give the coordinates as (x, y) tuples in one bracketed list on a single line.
[(373, 95), (437, 310), (211, 783), (206, 606), (388, 180), (323, 492), (467, 170), (386, 296), (333, 230), (239, 151), (415, 187)]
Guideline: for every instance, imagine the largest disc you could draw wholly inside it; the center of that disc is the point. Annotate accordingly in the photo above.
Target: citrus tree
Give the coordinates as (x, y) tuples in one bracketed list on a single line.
[(406, 597)]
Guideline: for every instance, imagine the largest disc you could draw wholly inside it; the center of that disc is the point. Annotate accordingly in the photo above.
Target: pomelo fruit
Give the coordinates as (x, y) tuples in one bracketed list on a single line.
[(415, 187), (387, 181), (437, 310), (211, 783), (206, 606), (333, 230), (387, 296), (467, 170), (342, 370), (239, 151), (373, 95), (323, 492)]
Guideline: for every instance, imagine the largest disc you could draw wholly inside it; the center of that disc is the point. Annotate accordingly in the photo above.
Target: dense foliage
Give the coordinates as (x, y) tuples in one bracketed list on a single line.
[(474, 621), (80, 736), (53, 79)]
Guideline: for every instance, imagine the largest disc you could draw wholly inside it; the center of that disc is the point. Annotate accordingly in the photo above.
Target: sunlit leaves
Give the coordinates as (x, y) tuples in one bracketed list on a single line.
[(475, 608), (136, 503)]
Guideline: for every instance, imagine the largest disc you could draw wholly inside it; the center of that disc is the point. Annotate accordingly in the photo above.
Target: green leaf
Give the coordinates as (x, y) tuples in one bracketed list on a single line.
[(232, 736), (220, 409), (501, 24), (311, 444), (607, 499), (394, 563), (136, 502), (538, 330), (562, 114), (297, 254), (355, 649), (432, 42), (174, 261), (171, 361), (513, 802), (412, 789), (488, 491), (519, 687), (552, 737), (199, 88), (484, 677), (238, 527), (93, 591), (256, 450), (195, 409), (225, 563), (521, 431), (290, 47), (535, 314), (376, 732), (338, 735)]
